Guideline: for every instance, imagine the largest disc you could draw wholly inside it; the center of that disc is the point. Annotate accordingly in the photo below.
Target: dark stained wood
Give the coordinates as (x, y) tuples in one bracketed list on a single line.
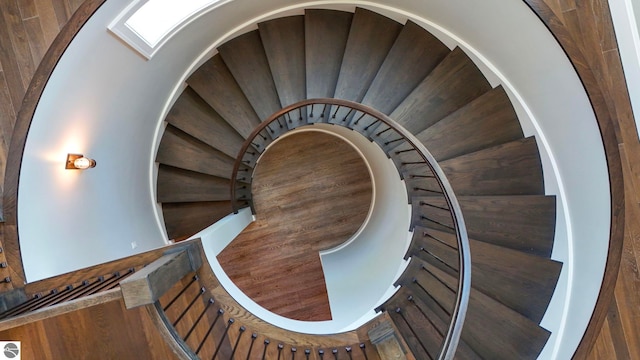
[(178, 185), (248, 63), (194, 116), (409, 324), (405, 298), (370, 38), (117, 333), (523, 223), (523, 282), (215, 84), (181, 150), (311, 192), (452, 84), (486, 121), (326, 33), (283, 41), (493, 330), (513, 168), (415, 53), (185, 219)]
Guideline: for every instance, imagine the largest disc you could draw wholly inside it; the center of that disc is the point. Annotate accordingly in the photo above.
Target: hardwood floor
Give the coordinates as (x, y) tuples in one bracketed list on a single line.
[(312, 191)]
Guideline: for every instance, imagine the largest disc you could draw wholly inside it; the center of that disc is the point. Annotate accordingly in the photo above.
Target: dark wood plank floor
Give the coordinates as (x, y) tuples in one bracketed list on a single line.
[(312, 191)]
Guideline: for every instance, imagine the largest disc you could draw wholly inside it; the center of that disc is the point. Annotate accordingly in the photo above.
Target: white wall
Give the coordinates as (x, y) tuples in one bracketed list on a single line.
[(116, 100)]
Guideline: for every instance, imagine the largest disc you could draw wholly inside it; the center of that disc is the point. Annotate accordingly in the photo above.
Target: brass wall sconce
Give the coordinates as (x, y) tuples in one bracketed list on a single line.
[(79, 162)]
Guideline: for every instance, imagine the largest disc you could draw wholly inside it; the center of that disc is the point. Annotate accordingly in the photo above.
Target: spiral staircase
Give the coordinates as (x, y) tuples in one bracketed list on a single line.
[(435, 93)]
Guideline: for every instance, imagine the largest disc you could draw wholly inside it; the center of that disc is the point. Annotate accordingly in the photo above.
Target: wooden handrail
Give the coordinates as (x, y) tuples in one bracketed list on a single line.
[(464, 254)]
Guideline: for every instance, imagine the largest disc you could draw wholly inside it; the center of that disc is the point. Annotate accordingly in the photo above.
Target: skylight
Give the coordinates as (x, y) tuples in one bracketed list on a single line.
[(145, 26)]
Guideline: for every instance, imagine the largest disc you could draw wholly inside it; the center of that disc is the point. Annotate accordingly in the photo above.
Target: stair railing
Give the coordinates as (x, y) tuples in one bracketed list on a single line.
[(407, 152)]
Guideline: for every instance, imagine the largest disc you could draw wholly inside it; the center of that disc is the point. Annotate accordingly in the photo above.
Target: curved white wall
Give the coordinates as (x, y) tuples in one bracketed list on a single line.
[(106, 101), (360, 273)]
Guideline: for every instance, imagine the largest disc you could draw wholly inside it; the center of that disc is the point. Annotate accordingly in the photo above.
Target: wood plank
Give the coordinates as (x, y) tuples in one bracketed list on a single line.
[(275, 259), (194, 116), (215, 84), (493, 330), (284, 46), (62, 12), (48, 20), (182, 220), (513, 168), (177, 185), (10, 57), (415, 53), (326, 34), (523, 282), (523, 223), (179, 149), (486, 121), (65, 336), (247, 61), (36, 39), (452, 84), (7, 116), (370, 39), (18, 36)]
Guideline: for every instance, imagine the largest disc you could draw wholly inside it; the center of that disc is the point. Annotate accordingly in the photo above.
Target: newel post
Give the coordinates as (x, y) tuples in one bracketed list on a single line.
[(151, 282)]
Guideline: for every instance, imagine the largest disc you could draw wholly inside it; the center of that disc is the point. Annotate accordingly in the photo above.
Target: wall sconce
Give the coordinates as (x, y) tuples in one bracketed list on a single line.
[(79, 162)]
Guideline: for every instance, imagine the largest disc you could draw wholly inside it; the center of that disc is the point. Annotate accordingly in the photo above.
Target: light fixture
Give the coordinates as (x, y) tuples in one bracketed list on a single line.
[(79, 162)]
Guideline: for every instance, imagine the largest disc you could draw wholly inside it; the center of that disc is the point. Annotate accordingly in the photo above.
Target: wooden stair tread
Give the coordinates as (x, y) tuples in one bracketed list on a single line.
[(491, 329), (179, 185), (513, 168), (405, 298), (185, 219), (194, 116), (451, 85), (523, 282), (523, 223), (283, 41), (370, 39), (326, 33), (495, 331), (487, 121), (415, 53), (181, 150), (215, 84), (246, 59)]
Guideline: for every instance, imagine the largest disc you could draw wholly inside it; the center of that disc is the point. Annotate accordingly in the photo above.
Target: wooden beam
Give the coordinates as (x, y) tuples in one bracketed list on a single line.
[(389, 345), (151, 282)]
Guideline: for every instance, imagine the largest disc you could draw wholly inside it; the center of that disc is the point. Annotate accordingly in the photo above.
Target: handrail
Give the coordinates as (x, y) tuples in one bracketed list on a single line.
[(359, 111)]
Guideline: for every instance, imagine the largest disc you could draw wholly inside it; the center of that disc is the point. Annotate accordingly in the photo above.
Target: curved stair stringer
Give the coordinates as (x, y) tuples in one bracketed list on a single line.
[(450, 107)]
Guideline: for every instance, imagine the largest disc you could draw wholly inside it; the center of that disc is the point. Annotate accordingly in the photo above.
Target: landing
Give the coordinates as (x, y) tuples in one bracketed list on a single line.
[(312, 191)]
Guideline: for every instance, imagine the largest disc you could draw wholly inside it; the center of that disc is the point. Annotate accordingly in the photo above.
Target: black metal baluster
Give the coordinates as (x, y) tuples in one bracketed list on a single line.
[(364, 351), (204, 339), (185, 310), (253, 340), (235, 347), (195, 277), (264, 352), (209, 303)]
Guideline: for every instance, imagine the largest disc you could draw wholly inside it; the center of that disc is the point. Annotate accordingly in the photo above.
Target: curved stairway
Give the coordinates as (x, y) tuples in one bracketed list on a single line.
[(437, 94)]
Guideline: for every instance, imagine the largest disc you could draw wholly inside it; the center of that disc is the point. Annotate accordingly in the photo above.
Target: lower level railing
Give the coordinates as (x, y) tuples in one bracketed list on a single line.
[(426, 183)]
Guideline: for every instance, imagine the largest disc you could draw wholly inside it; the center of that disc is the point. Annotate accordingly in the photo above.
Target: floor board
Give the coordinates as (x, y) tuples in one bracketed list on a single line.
[(312, 191)]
